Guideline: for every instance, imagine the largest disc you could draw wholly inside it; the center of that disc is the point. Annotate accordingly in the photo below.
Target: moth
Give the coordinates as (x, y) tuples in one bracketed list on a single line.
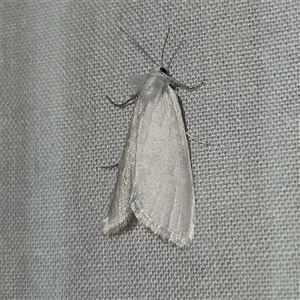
[(154, 180)]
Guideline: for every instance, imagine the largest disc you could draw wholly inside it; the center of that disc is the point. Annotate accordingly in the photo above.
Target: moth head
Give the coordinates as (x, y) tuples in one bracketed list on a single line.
[(164, 70), (160, 71)]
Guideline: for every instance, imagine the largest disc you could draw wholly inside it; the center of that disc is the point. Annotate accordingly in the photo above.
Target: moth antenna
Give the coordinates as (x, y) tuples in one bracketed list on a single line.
[(179, 46), (163, 49), (137, 44)]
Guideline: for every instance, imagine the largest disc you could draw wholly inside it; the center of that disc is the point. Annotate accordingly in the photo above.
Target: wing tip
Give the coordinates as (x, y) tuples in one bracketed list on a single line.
[(108, 227), (158, 230)]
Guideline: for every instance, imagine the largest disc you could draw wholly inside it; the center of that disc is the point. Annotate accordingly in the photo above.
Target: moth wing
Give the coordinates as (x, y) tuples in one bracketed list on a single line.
[(163, 190), (120, 211)]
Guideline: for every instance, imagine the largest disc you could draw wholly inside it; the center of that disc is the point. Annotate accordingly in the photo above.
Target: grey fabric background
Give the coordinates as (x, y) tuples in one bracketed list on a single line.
[(60, 59)]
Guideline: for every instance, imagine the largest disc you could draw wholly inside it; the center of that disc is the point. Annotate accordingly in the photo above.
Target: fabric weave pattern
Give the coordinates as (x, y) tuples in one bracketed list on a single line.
[(58, 61)]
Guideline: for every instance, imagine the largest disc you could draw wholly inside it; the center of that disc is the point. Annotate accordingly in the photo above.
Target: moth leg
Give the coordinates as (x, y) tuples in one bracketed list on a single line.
[(184, 86), (127, 102), (196, 140), (110, 167)]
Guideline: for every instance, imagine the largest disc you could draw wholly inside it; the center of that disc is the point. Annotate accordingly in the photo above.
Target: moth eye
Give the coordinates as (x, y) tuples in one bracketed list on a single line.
[(164, 70)]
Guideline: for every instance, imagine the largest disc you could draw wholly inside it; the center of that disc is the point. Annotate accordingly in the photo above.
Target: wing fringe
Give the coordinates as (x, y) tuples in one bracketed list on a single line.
[(112, 229), (147, 221)]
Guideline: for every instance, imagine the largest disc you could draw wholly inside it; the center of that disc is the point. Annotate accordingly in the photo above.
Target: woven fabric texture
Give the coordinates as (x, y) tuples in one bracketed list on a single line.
[(58, 61)]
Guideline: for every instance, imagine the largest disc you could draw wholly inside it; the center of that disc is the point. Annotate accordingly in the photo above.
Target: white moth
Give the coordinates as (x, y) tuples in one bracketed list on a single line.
[(154, 180)]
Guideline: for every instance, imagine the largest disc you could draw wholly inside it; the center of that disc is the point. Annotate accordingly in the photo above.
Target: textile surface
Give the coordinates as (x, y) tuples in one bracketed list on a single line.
[(58, 61)]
